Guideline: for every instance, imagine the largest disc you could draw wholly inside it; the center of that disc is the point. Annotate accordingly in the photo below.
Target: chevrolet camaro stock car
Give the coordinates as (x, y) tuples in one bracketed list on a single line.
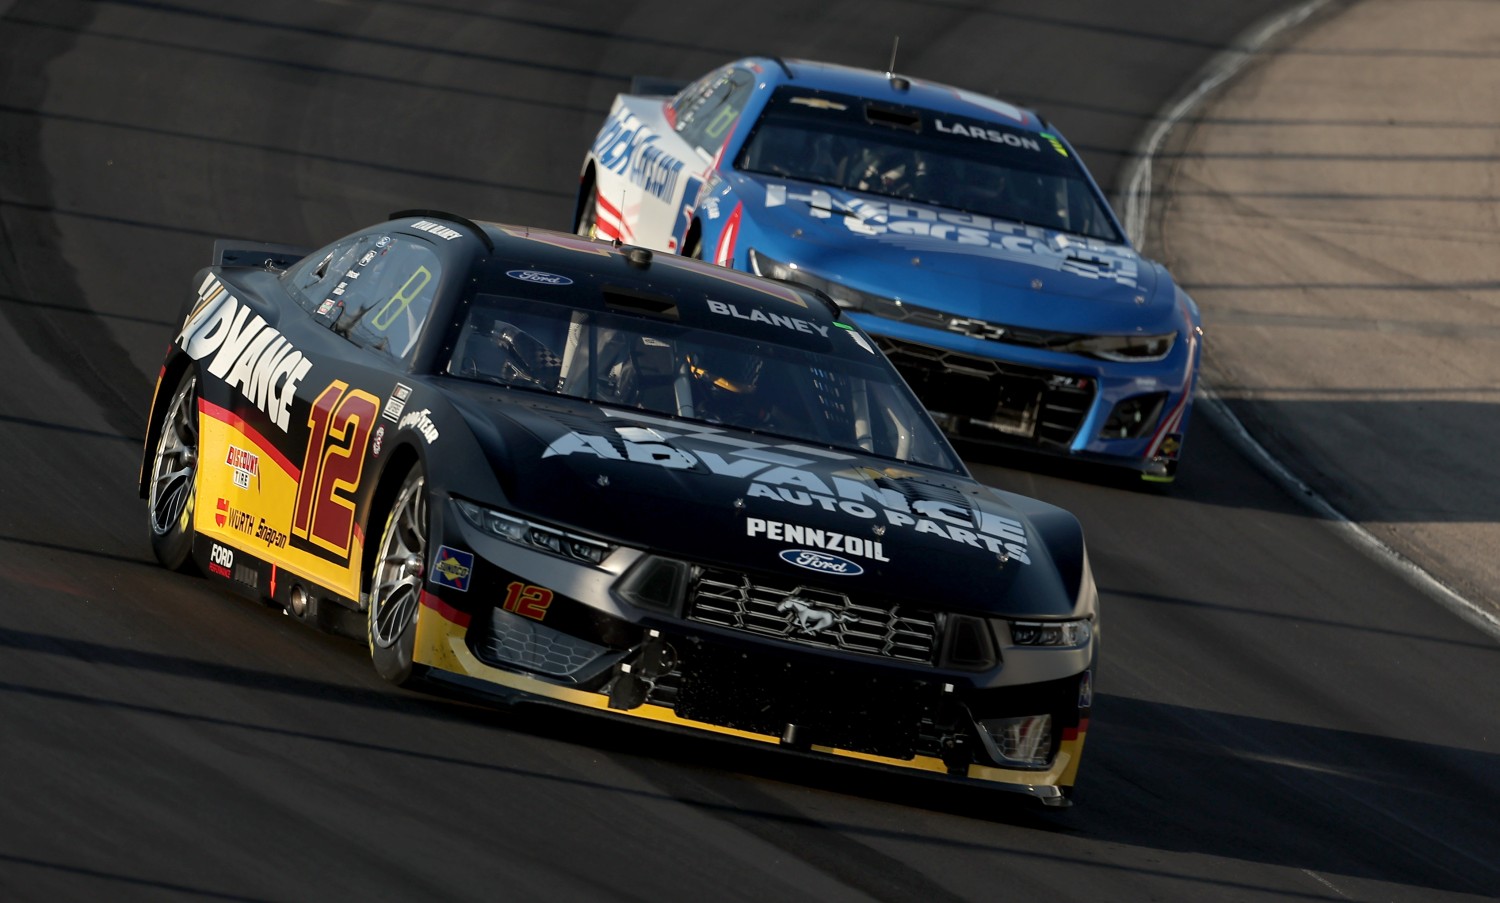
[(964, 234), (559, 470)]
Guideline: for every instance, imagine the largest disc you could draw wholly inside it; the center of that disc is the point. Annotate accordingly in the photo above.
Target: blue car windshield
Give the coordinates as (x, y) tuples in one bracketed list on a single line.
[(977, 166), (671, 369)]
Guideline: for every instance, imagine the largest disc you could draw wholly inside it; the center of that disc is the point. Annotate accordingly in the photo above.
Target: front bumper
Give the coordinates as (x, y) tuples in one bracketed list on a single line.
[(1125, 415), (593, 651)]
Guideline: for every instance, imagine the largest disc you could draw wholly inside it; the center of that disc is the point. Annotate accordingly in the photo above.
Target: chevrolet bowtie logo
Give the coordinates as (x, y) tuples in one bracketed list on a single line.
[(977, 328)]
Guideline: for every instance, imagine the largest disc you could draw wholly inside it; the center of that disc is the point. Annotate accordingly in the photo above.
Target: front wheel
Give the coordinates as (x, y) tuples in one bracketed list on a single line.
[(396, 581), (174, 479)]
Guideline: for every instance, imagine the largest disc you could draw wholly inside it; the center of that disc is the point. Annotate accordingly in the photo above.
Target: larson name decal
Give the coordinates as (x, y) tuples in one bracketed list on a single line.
[(986, 134)]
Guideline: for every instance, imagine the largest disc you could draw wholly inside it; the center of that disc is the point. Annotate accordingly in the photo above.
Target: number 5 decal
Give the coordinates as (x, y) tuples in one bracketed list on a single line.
[(340, 423)]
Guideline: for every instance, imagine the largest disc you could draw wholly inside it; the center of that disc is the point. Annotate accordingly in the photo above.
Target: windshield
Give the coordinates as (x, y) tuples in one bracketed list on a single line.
[(666, 368), (976, 166)]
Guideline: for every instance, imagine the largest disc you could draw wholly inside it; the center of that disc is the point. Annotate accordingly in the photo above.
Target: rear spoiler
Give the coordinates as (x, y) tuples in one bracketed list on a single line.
[(231, 252), (651, 86)]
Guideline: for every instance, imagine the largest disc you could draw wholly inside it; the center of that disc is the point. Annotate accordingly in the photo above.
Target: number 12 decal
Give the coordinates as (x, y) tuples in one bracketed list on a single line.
[(524, 599), (340, 422)]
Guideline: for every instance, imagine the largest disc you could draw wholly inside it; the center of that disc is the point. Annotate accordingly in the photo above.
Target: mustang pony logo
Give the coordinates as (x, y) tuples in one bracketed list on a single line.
[(810, 620)]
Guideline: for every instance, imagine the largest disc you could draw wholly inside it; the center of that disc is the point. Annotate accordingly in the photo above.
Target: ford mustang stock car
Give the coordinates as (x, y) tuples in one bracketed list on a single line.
[(563, 471), (963, 233)]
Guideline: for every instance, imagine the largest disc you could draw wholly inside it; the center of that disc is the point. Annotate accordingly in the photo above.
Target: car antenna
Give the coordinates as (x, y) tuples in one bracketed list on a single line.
[(897, 82), (619, 239)]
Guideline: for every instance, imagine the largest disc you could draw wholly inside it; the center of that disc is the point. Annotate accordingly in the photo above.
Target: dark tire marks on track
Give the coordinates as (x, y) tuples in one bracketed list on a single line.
[(1278, 719)]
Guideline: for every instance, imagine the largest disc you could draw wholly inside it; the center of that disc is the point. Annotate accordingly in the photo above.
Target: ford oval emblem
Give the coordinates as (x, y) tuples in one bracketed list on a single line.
[(822, 562), (539, 276)]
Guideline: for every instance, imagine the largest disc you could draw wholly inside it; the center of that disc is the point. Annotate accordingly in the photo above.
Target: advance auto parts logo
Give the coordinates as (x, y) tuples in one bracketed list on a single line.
[(247, 354), (783, 475)]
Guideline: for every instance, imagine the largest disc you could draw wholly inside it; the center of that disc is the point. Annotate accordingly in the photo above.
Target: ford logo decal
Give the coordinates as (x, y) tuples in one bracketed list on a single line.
[(822, 562), (539, 276)]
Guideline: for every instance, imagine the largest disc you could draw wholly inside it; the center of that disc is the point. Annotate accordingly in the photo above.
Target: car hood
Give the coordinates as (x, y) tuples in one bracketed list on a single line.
[(965, 264), (770, 505)]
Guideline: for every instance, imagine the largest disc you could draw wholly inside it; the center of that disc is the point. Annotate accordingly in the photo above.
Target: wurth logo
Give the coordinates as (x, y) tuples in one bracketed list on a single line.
[(221, 512)]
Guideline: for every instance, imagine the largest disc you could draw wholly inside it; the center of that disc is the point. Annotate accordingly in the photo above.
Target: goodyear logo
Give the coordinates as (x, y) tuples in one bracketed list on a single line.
[(453, 568)]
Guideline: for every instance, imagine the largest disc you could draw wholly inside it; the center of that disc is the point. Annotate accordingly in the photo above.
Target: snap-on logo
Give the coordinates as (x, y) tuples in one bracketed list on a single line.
[(539, 276), (822, 562)]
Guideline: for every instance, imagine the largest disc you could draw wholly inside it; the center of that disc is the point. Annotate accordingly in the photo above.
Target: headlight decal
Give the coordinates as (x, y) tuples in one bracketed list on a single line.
[(532, 534), (1052, 634)]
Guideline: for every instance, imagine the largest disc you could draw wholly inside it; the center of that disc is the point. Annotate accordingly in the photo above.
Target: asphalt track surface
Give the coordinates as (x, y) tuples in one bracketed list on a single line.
[(1279, 718)]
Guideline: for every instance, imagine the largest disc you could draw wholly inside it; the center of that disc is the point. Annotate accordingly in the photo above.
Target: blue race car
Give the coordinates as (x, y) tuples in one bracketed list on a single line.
[(964, 234)]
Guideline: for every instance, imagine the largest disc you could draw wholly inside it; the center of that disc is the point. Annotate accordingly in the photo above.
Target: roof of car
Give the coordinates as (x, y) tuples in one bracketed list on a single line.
[(894, 88), (625, 278)]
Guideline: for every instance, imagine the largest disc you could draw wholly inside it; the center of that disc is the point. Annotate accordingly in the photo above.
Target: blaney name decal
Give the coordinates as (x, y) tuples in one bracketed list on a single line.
[(247, 354), (781, 477), (440, 231), (757, 316)]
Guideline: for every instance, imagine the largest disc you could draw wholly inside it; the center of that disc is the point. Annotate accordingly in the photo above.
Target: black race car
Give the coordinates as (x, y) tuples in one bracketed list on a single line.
[(560, 470)]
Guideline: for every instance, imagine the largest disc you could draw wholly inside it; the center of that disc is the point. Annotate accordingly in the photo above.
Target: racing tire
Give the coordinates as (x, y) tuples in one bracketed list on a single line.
[(173, 486), (396, 582), (588, 220)]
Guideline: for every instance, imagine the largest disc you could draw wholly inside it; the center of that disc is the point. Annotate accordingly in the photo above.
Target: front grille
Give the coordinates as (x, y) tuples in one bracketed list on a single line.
[(509, 640), (979, 329), (993, 397), (814, 617)]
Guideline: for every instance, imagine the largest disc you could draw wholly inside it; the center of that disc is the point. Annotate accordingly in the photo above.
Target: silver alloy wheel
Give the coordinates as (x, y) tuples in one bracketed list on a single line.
[(174, 471), (397, 587)]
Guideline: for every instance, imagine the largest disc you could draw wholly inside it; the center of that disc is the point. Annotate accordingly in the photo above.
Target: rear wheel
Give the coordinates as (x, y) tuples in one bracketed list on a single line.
[(174, 479), (396, 581)]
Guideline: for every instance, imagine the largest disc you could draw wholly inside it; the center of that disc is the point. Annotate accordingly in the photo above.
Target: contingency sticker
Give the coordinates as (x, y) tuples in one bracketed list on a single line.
[(453, 568)]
